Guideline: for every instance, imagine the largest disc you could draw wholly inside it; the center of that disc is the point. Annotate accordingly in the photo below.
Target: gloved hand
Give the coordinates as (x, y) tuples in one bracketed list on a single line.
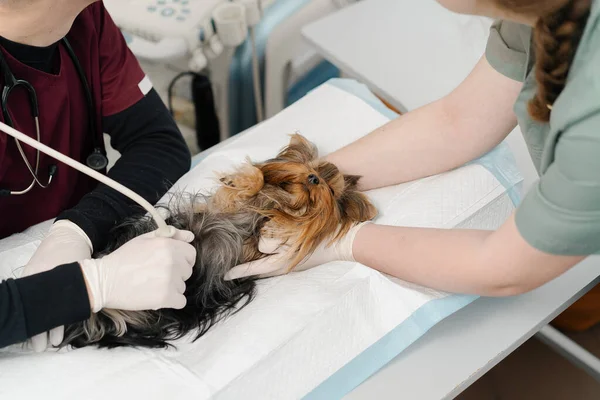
[(277, 263), (65, 243), (146, 273)]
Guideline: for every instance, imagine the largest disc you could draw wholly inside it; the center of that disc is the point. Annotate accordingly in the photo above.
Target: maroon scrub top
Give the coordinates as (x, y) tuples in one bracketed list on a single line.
[(116, 82)]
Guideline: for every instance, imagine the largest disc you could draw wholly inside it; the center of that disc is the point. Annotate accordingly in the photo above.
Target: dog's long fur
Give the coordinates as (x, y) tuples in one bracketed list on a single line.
[(295, 196)]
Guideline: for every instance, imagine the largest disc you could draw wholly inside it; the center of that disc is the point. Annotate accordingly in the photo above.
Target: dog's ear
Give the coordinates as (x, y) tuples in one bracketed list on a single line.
[(299, 150), (351, 181), (355, 206)]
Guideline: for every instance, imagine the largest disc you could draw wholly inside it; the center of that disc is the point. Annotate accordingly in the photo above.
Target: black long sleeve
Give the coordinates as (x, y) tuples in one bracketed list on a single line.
[(154, 156), (40, 302)]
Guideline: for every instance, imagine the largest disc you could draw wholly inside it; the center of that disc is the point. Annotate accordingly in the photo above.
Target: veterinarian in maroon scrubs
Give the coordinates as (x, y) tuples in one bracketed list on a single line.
[(68, 50)]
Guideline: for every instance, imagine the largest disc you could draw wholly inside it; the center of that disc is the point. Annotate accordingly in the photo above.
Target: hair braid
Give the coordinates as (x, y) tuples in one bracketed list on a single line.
[(556, 37)]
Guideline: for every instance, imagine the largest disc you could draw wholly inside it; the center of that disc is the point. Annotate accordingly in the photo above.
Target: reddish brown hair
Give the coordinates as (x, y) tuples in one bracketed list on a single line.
[(558, 30), (307, 201)]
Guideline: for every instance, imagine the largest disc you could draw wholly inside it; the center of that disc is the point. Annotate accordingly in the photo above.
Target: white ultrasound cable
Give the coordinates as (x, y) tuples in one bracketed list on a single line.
[(163, 229)]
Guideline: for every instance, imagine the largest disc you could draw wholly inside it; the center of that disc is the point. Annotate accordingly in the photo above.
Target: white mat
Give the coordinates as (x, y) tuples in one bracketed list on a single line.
[(301, 328)]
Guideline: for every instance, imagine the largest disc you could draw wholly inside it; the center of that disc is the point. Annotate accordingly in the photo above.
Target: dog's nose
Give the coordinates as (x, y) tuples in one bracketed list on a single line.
[(313, 179)]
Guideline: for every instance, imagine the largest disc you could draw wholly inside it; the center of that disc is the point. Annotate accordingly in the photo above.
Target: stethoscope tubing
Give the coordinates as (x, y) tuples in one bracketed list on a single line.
[(11, 83)]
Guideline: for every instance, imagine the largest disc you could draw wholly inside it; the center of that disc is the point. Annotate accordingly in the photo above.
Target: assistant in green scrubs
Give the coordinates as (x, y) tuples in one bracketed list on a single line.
[(561, 213)]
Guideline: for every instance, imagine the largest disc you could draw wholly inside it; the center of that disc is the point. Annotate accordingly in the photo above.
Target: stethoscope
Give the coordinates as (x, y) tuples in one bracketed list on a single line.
[(96, 160)]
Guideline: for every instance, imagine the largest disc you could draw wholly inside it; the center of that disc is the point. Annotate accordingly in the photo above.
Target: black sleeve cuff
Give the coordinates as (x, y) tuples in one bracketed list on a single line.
[(96, 215), (12, 321), (54, 298)]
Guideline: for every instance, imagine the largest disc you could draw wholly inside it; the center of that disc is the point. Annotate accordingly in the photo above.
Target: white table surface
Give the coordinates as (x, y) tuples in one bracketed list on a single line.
[(411, 52)]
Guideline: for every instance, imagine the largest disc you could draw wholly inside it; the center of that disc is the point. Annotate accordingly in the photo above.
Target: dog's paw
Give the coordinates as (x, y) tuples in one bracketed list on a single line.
[(247, 180)]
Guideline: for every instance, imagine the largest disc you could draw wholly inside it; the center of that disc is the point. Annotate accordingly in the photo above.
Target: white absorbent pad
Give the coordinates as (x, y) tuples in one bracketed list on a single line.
[(314, 334)]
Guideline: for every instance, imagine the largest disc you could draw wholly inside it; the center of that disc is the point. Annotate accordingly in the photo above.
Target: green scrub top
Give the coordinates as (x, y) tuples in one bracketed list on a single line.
[(560, 214)]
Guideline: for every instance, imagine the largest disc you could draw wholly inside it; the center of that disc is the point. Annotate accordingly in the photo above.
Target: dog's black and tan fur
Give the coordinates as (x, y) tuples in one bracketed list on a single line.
[(303, 199)]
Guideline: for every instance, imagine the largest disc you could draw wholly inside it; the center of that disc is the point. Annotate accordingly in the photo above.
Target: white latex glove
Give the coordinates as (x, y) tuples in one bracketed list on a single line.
[(146, 273), (65, 243), (278, 262)]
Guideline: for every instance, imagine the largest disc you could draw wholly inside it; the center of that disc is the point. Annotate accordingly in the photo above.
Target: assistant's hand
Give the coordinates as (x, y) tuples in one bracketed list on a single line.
[(146, 273), (65, 243), (277, 263)]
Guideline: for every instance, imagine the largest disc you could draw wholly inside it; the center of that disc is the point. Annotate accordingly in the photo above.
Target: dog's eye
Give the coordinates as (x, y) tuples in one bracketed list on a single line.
[(313, 179)]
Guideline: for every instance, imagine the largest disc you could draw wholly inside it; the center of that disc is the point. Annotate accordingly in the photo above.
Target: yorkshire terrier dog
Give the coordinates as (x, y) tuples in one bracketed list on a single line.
[(296, 196)]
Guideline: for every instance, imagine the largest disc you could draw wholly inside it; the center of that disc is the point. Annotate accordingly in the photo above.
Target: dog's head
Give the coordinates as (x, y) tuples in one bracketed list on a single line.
[(308, 199)]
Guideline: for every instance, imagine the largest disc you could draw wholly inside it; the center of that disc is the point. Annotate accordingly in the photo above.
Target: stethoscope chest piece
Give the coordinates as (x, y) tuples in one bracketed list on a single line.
[(97, 161)]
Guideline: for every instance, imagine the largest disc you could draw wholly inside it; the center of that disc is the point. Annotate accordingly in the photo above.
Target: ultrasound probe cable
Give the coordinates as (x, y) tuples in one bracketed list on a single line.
[(163, 229)]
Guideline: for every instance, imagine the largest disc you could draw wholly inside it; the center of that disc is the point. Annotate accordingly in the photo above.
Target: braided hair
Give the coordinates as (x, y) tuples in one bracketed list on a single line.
[(557, 32)]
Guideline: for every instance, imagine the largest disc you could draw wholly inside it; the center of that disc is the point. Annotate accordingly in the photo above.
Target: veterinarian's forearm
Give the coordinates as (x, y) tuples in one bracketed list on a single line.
[(437, 137)]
